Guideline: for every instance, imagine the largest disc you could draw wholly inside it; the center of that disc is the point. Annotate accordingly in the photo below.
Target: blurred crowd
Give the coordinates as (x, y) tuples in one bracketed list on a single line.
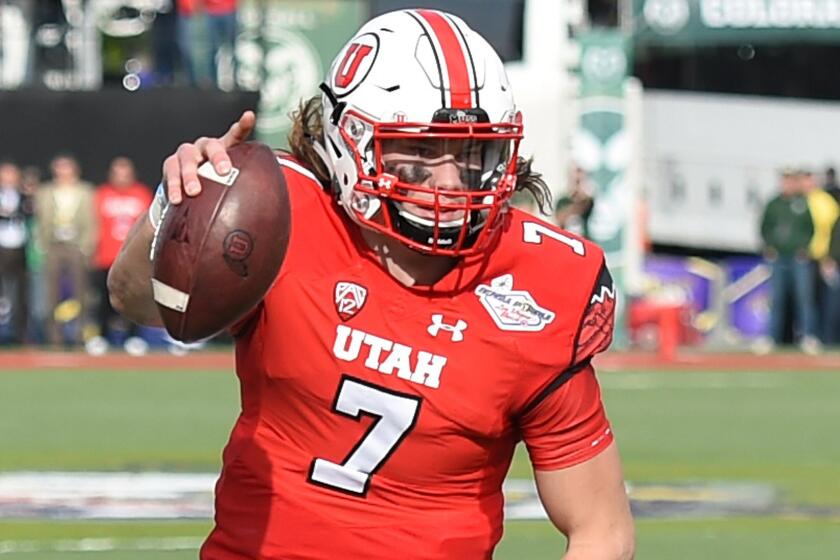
[(138, 43), (800, 232), (58, 238), (800, 237), (193, 35)]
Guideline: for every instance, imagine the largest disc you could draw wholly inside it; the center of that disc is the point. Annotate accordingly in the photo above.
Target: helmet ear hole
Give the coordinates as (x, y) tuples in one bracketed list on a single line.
[(346, 180)]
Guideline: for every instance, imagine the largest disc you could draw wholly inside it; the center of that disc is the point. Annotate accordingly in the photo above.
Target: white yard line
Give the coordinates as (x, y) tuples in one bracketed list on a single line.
[(101, 545)]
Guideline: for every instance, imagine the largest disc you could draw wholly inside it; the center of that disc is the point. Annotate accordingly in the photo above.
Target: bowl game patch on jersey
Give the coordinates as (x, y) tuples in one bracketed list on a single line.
[(512, 310)]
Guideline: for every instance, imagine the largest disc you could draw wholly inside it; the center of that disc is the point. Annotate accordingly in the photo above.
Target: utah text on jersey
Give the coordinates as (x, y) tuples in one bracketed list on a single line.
[(387, 356)]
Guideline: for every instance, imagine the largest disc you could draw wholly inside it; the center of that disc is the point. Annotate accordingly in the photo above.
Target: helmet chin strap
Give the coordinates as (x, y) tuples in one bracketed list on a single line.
[(447, 238)]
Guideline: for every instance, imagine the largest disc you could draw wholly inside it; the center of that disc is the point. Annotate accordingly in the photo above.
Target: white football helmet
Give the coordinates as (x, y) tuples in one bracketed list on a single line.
[(423, 84)]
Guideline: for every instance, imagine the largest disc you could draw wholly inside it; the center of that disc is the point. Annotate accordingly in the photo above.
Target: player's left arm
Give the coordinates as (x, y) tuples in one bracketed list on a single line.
[(588, 503), (578, 470), (576, 462)]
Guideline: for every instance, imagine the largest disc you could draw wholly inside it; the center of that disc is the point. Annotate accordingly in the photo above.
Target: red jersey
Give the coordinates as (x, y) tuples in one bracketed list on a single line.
[(117, 208), (379, 421)]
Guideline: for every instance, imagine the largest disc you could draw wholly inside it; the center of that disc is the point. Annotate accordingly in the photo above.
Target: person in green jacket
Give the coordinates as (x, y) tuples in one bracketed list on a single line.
[(787, 230)]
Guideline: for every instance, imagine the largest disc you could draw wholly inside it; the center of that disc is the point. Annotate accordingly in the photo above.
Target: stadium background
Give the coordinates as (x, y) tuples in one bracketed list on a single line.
[(681, 112)]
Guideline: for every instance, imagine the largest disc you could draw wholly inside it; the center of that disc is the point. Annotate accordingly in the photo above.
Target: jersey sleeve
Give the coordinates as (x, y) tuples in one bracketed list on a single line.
[(565, 423), (596, 327), (569, 426)]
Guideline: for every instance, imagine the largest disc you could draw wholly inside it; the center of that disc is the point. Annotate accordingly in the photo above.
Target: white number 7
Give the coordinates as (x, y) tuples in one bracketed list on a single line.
[(395, 415), (533, 232)]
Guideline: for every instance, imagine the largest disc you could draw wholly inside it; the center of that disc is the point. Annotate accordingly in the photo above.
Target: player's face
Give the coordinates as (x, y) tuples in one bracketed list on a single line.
[(437, 165)]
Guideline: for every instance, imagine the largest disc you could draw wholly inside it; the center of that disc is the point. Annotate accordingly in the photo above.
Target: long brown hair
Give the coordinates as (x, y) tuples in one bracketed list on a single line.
[(307, 128)]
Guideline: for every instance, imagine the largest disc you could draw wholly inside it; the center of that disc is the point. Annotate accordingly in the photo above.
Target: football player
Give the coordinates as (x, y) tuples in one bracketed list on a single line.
[(419, 327)]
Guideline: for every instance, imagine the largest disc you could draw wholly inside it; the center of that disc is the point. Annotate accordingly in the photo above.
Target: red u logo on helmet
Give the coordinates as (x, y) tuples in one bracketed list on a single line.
[(350, 64)]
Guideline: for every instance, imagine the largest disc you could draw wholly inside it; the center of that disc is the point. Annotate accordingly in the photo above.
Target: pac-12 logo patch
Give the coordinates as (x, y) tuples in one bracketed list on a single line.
[(349, 299), (512, 310)]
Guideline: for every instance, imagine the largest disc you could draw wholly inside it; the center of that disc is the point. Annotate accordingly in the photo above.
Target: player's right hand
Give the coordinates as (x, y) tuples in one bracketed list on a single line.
[(180, 170)]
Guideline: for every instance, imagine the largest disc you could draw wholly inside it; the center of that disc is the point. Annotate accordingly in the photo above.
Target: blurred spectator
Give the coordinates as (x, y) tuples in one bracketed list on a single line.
[(187, 33), (36, 296), (13, 239), (165, 42), (524, 200), (830, 269), (118, 204), (221, 27), (213, 20), (50, 32), (831, 186), (824, 211), (786, 230), (572, 211), (67, 229)]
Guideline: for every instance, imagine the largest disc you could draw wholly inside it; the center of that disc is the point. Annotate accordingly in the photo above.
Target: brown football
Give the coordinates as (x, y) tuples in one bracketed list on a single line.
[(216, 255)]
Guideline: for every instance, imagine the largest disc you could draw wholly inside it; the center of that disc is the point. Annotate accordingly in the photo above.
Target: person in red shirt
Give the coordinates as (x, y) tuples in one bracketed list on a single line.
[(118, 203), (389, 373)]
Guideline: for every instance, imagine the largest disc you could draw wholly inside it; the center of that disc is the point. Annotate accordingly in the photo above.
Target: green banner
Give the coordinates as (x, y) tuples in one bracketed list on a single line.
[(285, 48), (600, 149), (727, 22)]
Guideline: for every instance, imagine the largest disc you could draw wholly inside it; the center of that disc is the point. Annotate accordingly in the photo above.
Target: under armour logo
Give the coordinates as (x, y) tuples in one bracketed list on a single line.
[(385, 182), (456, 331)]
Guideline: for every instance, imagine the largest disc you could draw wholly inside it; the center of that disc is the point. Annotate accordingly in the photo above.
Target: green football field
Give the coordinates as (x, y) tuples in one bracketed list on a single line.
[(776, 431)]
